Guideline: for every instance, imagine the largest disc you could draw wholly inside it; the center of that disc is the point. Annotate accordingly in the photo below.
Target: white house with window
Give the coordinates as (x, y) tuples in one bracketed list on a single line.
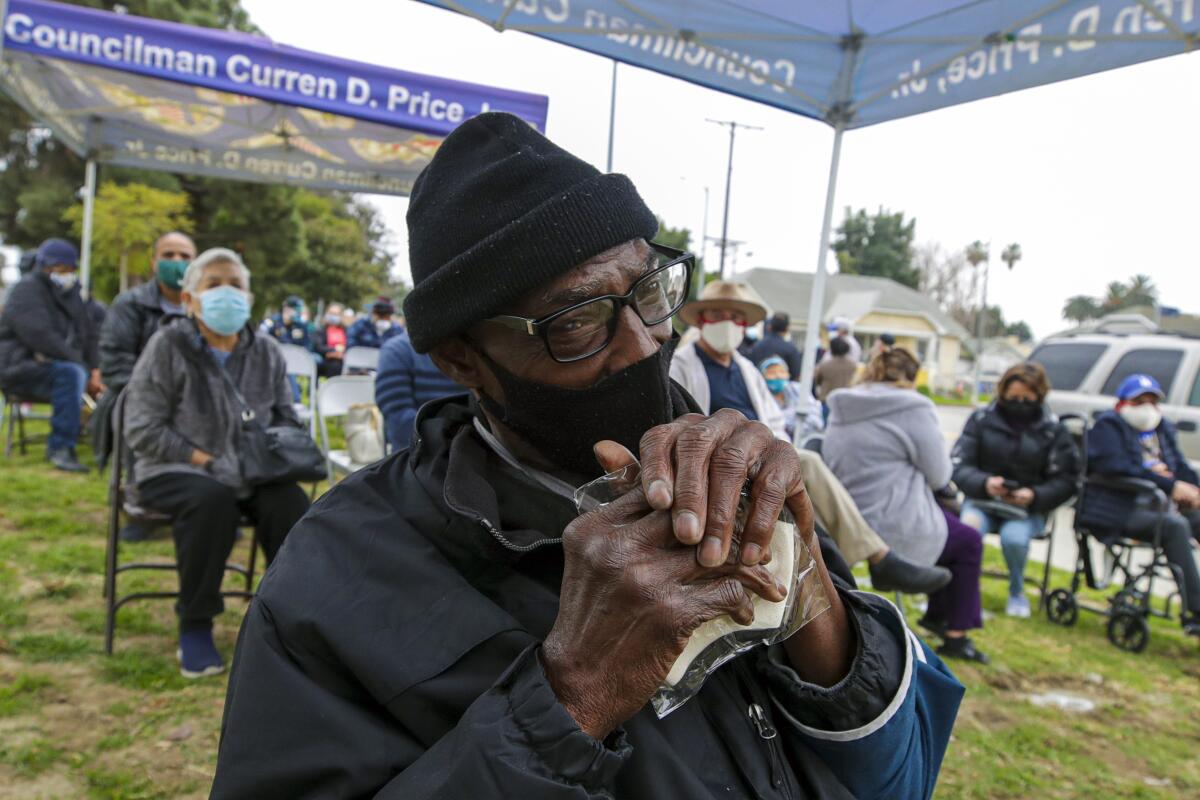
[(873, 306)]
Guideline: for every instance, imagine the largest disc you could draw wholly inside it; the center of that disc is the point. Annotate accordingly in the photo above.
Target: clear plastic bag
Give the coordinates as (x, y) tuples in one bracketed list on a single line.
[(722, 639)]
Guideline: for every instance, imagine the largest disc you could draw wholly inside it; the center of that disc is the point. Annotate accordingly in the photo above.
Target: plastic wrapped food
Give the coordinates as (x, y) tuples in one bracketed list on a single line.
[(721, 639)]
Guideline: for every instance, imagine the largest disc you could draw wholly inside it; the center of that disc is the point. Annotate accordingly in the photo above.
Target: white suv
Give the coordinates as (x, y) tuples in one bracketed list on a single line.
[(1085, 370)]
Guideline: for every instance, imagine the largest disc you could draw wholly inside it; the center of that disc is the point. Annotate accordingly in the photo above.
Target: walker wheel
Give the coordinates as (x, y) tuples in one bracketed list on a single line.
[(1061, 608), (1128, 630)]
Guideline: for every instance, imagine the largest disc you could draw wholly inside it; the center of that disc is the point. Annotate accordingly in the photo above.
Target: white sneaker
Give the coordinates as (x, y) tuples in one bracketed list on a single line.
[(1018, 607)]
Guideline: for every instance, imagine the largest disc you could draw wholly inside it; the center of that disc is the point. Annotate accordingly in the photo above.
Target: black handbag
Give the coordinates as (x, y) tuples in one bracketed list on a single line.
[(278, 454)]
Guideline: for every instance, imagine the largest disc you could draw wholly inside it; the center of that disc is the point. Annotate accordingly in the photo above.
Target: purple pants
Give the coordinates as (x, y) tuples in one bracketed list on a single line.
[(957, 604)]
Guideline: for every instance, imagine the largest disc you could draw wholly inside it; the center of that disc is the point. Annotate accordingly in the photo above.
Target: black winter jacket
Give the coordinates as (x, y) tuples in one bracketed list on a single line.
[(1042, 457), (41, 323), (392, 652), (131, 321)]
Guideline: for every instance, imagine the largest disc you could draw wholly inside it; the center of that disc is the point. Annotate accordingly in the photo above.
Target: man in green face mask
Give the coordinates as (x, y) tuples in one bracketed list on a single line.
[(133, 319)]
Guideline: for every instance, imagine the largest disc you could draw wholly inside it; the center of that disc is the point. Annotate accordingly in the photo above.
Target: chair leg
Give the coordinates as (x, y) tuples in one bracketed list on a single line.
[(250, 565), (13, 410), (21, 429), (110, 577), (1045, 587)]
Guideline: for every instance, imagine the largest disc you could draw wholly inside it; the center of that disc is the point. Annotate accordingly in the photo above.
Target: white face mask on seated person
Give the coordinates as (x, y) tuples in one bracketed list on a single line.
[(724, 337), (1145, 417)]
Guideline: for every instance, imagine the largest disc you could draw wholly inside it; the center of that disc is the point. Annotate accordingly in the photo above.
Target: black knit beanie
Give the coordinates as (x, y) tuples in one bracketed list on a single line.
[(499, 211)]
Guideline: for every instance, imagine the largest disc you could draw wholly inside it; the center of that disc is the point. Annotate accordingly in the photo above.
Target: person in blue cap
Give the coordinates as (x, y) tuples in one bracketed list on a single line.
[(1135, 440), (48, 346)]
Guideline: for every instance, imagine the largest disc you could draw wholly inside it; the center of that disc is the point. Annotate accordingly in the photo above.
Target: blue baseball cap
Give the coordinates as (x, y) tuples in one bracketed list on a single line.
[(1138, 385), (54, 252)]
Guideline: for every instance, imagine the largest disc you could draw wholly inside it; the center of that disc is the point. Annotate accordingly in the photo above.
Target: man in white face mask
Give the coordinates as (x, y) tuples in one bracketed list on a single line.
[(48, 347), (711, 369), (1135, 441)]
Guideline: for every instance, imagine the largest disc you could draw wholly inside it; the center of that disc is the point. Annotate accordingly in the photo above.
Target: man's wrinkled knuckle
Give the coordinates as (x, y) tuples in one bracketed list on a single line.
[(729, 416), (730, 594), (698, 439), (729, 460)]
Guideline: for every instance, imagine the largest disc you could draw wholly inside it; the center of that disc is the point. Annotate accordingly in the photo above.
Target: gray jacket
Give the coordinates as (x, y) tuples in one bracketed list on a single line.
[(178, 402), (885, 445)]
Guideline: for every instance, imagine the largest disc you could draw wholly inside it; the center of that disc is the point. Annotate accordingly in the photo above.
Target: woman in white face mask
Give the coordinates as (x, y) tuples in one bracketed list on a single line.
[(1135, 441), (710, 368)]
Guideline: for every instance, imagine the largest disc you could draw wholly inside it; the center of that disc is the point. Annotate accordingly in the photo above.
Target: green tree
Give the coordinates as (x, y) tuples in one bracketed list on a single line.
[(126, 222), (1080, 308), (1141, 291), (879, 244), (1019, 329), (1011, 255), (977, 253)]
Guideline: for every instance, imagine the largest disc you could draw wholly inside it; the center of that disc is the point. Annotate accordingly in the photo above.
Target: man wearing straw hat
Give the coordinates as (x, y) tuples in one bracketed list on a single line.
[(711, 369)]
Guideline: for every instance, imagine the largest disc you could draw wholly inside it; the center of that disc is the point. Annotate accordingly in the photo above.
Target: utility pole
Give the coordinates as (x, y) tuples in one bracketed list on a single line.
[(733, 126)]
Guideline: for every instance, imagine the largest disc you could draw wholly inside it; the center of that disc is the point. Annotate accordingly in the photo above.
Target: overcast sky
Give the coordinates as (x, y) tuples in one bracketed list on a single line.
[(1097, 178)]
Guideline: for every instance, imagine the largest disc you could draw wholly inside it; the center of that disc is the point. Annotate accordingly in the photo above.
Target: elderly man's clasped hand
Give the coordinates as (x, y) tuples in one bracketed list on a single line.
[(636, 586)]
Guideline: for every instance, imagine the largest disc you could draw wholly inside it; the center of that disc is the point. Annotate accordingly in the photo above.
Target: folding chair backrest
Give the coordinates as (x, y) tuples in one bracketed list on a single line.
[(365, 358), (300, 362), (334, 399), (337, 394)]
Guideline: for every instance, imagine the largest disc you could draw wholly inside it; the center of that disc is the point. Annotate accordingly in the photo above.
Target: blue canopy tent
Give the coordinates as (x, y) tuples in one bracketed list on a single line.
[(853, 64), (144, 93)]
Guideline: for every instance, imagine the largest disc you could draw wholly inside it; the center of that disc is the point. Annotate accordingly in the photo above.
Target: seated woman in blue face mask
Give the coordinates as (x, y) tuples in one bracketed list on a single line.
[(182, 421)]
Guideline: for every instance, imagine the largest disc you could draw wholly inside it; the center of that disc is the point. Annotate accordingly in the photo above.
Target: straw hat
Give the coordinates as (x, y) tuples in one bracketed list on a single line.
[(726, 295)]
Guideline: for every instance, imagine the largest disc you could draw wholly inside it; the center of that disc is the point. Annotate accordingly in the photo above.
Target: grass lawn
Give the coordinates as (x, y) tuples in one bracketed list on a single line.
[(75, 723)]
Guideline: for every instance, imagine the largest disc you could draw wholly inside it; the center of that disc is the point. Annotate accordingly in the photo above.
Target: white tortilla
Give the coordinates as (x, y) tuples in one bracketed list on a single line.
[(767, 615)]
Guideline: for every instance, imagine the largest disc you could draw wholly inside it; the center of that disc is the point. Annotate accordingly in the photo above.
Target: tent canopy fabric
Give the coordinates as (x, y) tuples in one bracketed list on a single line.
[(159, 95), (858, 63)]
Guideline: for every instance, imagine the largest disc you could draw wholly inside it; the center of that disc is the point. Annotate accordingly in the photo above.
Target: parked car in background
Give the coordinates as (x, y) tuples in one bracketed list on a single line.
[(1085, 370)]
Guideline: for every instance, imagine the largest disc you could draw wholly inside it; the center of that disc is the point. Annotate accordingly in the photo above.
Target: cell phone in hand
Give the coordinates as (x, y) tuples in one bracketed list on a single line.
[(1011, 485)]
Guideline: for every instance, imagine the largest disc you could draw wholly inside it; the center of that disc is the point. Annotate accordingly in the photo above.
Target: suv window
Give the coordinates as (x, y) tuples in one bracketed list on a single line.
[(1067, 363), (1194, 400), (1158, 364)]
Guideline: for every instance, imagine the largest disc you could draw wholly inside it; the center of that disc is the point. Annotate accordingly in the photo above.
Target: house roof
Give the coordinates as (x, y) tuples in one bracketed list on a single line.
[(850, 296)]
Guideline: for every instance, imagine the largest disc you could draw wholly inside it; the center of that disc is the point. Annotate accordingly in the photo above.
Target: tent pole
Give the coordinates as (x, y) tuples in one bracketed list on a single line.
[(3, 19), (85, 245), (612, 115), (816, 299)]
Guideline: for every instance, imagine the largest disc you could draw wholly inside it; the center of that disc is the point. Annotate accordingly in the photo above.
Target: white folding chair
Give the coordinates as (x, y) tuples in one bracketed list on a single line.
[(334, 399), (363, 359), (302, 364)]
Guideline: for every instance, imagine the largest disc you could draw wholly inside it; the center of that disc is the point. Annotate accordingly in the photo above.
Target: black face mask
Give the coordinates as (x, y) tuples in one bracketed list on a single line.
[(563, 424), (1020, 411)]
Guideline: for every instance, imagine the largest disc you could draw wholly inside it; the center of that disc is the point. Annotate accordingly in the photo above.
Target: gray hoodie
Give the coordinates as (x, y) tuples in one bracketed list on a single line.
[(178, 402), (885, 445)]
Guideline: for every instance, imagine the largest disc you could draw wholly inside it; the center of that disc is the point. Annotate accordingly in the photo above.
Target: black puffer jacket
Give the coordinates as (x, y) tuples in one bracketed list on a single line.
[(1042, 456), (131, 321), (392, 653), (41, 322)]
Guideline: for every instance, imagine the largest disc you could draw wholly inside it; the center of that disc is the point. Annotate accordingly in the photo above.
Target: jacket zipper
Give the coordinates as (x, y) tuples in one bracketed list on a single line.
[(520, 548), (766, 732)]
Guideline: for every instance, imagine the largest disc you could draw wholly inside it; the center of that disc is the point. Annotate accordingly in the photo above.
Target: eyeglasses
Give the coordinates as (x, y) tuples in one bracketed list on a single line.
[(584, 329)]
